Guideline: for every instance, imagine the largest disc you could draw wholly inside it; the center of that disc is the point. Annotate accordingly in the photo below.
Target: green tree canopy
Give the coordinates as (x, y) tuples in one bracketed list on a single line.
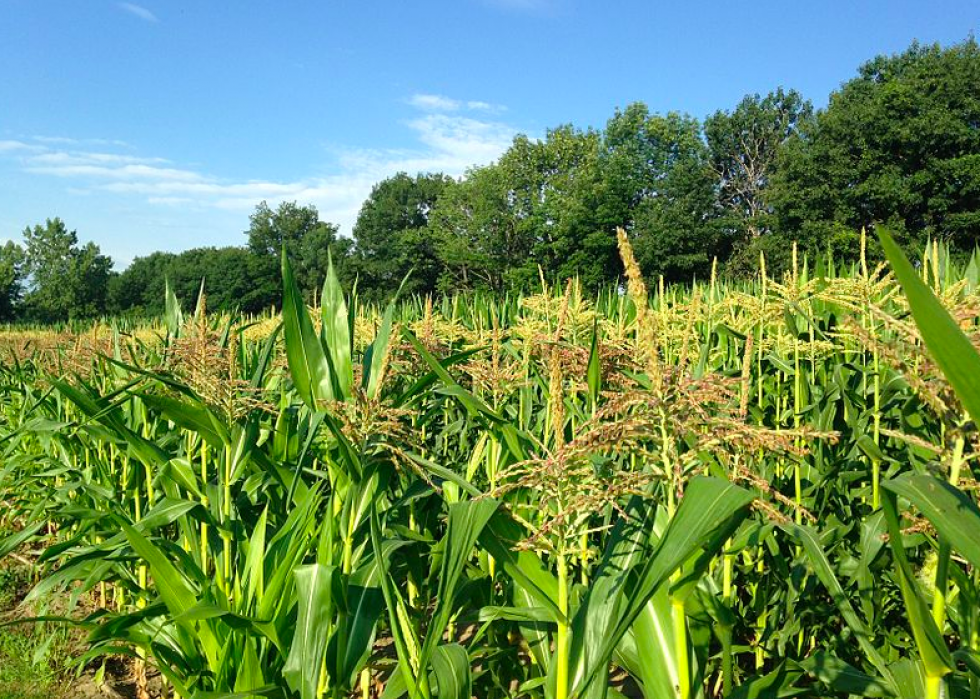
[(139, 289), (900, 144), (477, 240), (659, 185), (392, 237), (11, 279), (532, 209), (234, 280), (744, 146), (305, 237), (65, 281)]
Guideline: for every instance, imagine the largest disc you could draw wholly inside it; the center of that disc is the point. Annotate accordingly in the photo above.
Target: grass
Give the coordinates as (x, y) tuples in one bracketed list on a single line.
[(33, 659)]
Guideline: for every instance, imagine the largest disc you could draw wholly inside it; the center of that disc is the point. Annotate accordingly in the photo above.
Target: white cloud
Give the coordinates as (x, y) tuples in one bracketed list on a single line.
[(138, 11), (446, 141), (55, 140), (11, 146), (64, 140), (107, 166), (434, 103), (441, 103)]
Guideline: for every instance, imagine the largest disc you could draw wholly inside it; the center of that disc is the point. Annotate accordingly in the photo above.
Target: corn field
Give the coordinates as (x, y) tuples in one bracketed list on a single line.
[(715, 490)]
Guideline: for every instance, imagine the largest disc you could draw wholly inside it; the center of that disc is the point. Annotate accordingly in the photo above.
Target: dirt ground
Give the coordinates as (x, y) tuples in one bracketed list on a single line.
[(38, 660)]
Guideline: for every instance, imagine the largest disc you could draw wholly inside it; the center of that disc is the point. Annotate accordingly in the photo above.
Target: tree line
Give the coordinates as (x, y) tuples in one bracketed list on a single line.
[(897, 144)]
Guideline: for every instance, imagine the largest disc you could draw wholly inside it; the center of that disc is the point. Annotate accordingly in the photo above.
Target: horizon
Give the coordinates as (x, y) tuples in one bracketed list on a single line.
[(164, 134)]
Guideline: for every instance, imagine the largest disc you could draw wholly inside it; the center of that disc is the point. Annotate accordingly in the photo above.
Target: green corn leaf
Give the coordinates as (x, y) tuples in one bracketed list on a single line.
[(451, 674), (467, 521), (183, 474), (374, 356), (268, 691), (932, 648), (265, 358), (192, 416), (911, 678), (844, 678), (314, 585), (825, 573), (97, 409), (498, 538), (778, 684), (955, 516), (175, 592), (14, 541), (254, 573), (451, 671), (534, 614), (401, 634), (970, 658), (200, 307), (709, 513), (365, 603), (166, 511), (651, 637), (172, 312), (474, 405), (249, 677), (335, 330), (594, 371), (304, 352), (952, 350)]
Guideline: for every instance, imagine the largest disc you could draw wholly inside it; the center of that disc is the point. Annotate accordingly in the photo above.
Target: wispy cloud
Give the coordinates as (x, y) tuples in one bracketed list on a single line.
[(137, 11), (441, 103), (112, 166), (64, 140), (435, 103), (20, 146), (449, 136)]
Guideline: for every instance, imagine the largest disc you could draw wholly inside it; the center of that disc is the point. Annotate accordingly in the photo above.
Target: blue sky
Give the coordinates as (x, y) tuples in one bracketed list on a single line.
[(160, 124)]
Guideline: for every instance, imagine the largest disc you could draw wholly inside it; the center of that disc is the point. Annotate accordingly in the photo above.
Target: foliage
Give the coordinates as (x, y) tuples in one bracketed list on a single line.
[(657, 168), (34, 659), (66, 281), (528, 211), (744, 147), (393, 239), (299, 231), (897, 144), (11, 279)]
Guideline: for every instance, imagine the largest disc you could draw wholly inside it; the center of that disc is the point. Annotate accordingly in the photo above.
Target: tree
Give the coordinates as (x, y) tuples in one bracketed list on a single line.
[(743, 148), (552, 182), (658, 184), (532, 209), (66, 281), (90, 275), (898, 144), (140, 288), (11, 279), (304, 236), (477, 240), (392, 238), (234, 280)]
